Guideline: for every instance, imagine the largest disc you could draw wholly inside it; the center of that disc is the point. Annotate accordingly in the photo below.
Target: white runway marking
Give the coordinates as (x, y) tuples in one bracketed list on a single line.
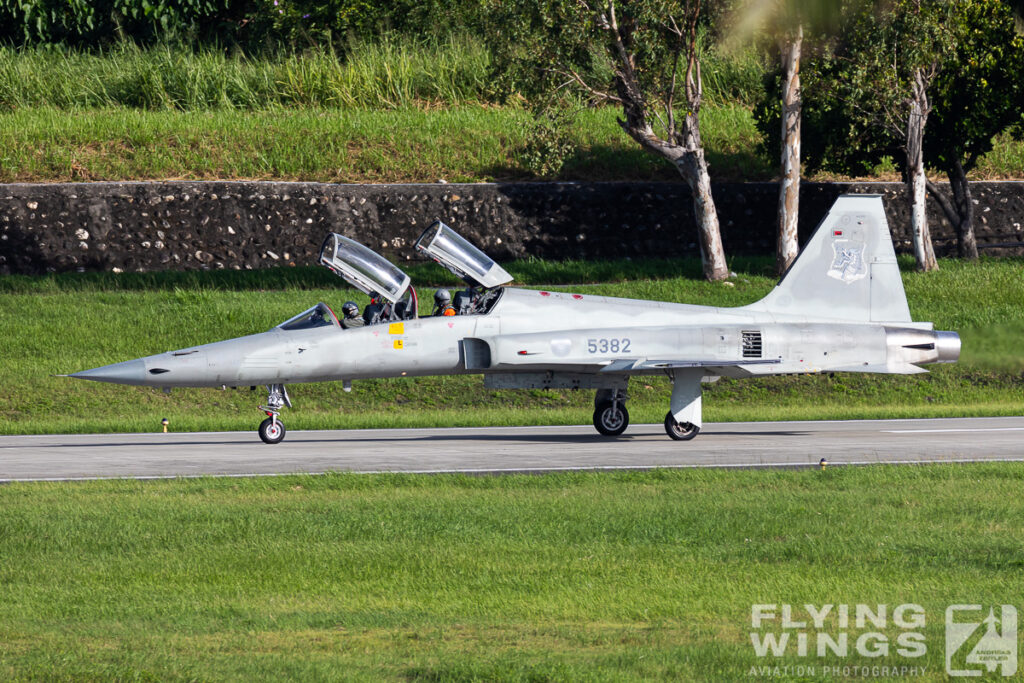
[(944, 431), (536, 470)]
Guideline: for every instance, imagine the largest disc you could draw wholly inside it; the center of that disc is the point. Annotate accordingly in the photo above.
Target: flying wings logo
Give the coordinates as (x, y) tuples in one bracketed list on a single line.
[(847, 260), (977, 644)]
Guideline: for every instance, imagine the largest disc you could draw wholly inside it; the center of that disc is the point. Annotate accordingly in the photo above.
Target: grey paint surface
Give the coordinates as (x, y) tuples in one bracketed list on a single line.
[(509, 449)]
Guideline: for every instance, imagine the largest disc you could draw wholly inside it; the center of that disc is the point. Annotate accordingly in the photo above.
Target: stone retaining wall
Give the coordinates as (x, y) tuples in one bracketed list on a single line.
[(205, 225)]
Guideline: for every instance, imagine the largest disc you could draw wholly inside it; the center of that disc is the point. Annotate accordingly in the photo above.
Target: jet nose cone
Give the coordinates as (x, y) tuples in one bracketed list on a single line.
[(128, 372)]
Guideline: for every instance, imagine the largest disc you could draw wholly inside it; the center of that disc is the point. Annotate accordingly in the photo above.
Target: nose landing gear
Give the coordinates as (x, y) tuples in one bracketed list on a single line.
[(610, 415), (272, 429)]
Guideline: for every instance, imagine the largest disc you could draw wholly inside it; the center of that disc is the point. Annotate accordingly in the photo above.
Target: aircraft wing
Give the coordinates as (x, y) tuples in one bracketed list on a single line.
[(627, 365)]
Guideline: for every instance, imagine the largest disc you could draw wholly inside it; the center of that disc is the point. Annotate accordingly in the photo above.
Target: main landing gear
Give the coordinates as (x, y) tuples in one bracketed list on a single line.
[(680, 431), (610, 415), (272, 429), (683, 420)]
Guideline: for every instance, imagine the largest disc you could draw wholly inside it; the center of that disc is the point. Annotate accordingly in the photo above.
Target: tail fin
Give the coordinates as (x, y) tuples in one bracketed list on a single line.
[(846, 271)]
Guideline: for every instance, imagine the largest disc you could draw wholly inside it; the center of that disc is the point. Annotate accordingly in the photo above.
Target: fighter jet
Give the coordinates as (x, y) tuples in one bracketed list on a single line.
[(840, 308)]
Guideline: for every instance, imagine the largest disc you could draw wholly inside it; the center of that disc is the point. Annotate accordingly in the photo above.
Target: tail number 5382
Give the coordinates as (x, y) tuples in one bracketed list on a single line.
[(608, 345)]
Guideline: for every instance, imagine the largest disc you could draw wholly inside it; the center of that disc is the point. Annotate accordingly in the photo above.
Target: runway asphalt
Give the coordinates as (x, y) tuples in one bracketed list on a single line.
[(509, 449)]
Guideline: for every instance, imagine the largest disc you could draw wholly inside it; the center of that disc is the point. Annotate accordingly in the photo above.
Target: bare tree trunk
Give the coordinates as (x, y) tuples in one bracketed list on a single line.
[(967, 246), (916, 181), (688, 158), (694, 170), (787, 245)]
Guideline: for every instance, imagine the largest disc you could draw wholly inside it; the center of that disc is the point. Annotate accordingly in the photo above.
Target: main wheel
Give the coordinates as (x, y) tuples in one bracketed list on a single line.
[(611, 419), (272, 431), (680, 431)]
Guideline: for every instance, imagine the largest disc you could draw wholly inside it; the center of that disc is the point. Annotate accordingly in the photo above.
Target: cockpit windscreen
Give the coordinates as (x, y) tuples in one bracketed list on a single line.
[(319, 316)]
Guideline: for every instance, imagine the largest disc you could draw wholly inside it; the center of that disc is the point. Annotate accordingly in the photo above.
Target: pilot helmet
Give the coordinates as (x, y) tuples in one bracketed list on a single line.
[(442, 296), (350, 308)]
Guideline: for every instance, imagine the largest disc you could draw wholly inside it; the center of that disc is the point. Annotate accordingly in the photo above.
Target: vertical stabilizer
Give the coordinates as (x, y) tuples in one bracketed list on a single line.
[(846, 271)]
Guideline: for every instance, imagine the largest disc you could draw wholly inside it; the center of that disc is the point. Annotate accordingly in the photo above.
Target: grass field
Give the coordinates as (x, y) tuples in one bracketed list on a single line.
[(391, 73), (468, 143), (603, 577), (71, 322)]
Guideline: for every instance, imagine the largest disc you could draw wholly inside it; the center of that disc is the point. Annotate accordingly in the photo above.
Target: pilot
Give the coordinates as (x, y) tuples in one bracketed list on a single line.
[(350, 316), (443, 303)]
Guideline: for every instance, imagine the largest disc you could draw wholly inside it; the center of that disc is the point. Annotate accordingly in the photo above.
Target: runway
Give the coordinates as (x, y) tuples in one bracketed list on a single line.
[(509, 449)]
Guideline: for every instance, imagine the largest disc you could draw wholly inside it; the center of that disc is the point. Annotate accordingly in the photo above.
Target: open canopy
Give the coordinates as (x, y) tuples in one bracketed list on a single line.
[(363, 268), (452, 251)]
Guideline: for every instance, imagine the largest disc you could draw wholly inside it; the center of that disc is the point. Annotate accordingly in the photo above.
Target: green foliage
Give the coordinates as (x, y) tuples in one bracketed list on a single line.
[(548, 142), (91, 22), (979, 91), (333, 22), (856, 85), (543, 45), (530, 37), (734, 76), (253, 25)]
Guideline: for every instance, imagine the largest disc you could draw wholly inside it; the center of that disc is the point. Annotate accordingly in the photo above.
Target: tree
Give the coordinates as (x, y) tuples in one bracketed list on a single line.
[(872, 87), (978, 94), (913, 44), (641, 56), (784, 21), (787, 247)]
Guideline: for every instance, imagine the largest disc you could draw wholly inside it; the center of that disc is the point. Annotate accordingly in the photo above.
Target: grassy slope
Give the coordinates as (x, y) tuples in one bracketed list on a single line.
[(562, 577), (460, 144), (68, 323)]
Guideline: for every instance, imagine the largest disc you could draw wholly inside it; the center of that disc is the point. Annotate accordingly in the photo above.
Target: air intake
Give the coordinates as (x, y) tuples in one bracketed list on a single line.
[(751, 344)]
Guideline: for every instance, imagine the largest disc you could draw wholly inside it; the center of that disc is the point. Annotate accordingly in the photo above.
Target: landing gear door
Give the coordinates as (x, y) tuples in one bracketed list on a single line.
[(448, 248), (363, 268)]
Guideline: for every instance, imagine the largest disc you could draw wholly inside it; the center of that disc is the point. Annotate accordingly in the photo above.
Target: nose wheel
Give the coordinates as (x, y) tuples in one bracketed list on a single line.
[(272, 429), (610, 415)]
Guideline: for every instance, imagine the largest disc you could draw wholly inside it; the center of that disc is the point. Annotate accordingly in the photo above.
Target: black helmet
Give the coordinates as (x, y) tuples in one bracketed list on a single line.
[(350, 308), (442, 296)]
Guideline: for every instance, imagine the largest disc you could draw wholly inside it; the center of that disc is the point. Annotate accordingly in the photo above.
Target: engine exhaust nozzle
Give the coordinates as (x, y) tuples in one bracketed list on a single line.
[(947, 344)]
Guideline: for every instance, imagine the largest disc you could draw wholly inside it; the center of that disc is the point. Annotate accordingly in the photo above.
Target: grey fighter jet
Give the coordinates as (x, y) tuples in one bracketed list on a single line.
[(840, 308)]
